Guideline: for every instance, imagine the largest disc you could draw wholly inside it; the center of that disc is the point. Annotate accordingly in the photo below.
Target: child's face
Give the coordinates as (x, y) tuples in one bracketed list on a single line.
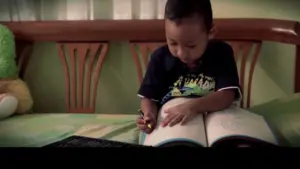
[(186, 40)]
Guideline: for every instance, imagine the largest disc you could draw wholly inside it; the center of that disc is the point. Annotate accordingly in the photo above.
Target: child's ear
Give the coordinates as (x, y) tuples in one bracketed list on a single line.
[(212, 32)]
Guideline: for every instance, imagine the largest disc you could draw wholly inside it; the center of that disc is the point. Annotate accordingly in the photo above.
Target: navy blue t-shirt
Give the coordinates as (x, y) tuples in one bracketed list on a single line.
[(167, 77)]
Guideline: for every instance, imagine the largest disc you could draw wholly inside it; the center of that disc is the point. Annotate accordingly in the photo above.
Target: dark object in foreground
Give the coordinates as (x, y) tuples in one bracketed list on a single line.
[(78, 141), (242, 141)]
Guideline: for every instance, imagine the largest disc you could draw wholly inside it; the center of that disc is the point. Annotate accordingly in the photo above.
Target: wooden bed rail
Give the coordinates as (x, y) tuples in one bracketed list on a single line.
[(151, 30), (94, 36)]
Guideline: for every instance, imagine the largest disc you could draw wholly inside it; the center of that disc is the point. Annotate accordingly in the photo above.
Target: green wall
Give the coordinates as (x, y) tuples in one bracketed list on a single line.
[(277, 59), (118, 83)]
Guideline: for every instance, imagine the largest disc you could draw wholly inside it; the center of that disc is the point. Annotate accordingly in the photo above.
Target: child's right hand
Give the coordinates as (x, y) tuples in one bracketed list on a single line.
[(141, 122)]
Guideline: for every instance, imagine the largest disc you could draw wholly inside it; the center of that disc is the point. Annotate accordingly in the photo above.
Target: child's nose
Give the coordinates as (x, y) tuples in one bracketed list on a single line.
[(181, 54)]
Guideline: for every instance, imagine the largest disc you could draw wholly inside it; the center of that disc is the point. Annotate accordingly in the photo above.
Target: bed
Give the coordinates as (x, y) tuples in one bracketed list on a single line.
[(143, 36)]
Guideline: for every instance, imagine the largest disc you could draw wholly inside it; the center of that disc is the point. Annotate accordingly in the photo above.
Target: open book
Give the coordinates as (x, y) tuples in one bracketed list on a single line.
[(233, 127)]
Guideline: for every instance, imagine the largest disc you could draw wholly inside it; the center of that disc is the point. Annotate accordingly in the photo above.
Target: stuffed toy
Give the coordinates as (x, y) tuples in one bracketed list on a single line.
[(15, 96)]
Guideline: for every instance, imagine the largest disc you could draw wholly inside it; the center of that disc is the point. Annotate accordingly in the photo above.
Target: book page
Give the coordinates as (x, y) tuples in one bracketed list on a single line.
[(236, 121), (193, 131)]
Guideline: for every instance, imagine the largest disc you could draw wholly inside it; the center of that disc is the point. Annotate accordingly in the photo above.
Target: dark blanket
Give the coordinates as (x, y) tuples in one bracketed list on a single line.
[(78, 141)]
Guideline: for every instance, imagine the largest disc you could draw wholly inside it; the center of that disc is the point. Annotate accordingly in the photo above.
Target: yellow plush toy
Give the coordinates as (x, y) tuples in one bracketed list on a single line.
[(15, 96)]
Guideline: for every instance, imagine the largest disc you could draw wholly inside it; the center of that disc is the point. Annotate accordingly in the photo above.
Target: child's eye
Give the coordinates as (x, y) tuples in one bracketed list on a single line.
[(191, 46)]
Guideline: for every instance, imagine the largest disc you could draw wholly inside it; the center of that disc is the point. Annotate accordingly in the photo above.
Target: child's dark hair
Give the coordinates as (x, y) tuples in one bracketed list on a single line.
[(176, 10)]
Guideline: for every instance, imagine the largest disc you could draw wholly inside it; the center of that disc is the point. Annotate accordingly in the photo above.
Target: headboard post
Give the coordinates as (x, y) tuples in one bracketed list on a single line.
[(297, 70), (82, 63), (23, 51)]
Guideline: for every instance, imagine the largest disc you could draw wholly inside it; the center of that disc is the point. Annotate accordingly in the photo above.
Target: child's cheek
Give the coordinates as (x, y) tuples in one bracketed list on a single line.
[(173, 52)]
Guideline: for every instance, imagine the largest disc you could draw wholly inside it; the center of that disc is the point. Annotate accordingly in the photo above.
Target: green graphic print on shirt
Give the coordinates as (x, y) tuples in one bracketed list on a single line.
[(191, 85)]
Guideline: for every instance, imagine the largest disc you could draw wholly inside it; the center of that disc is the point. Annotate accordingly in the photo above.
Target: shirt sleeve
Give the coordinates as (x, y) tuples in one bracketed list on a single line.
[(227, 75), (152, 83)]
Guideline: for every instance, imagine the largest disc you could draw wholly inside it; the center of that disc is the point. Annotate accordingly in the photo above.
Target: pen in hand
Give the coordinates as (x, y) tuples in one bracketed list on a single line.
[(147, 121)]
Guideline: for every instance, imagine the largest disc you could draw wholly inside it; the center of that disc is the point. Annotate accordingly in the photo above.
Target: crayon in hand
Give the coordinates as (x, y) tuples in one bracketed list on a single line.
[(147, 121)]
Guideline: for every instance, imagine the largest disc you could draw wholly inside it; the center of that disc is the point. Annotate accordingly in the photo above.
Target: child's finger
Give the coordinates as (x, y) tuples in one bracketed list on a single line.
[(147, 118), (175, 121), (142, 126), (140, 121), (167, 120), (148, 130), (184, 120)]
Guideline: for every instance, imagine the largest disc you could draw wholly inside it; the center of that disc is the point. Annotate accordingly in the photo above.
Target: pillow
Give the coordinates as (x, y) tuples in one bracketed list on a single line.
[(283, 115)]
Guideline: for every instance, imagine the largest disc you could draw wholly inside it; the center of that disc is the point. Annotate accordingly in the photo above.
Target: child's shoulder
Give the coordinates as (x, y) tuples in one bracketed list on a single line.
[(218, 46), (219, 50), (161, 53)]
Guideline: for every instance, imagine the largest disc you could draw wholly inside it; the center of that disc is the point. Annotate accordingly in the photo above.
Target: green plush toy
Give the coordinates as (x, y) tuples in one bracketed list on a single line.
[(15, 96), (8, 66)]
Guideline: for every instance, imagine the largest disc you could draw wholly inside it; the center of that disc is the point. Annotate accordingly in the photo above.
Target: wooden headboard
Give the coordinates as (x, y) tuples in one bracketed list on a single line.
[(93, 37)]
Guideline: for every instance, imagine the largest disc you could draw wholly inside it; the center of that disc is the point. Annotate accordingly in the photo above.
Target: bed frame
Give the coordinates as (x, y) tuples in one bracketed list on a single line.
[(145, 35)]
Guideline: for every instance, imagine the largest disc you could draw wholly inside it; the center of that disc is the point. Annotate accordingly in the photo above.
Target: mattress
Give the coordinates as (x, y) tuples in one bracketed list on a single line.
[(283, 115), (37, 130)]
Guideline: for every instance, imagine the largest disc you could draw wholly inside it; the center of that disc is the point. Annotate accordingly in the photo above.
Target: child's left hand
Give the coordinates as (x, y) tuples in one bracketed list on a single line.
[(182, 113)]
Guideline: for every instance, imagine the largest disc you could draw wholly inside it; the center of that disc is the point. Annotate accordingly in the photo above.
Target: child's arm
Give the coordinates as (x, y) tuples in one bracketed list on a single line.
[(148, 105), (213, 102), (151, 90), (147, 120), (152, 85)]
